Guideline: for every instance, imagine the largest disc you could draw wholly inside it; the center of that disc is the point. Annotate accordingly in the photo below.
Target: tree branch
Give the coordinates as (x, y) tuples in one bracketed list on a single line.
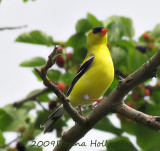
[(8, 144), (147, 120), (31, 97), (12, 28), (113, 103)]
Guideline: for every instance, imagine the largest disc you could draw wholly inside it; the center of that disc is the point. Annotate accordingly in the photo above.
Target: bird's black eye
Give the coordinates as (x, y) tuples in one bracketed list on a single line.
[(97, 29)]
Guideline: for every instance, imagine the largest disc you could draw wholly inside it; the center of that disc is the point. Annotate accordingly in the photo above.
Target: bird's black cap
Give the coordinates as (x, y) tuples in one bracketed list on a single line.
[(97, 29)]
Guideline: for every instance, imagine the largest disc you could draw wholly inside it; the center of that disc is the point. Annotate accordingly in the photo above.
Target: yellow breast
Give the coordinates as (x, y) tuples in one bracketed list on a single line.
[(96, 79)]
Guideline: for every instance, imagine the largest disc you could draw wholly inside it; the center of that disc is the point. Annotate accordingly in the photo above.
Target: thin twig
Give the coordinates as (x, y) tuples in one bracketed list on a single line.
[(8, 144), (31, 97), (12, 28), (47, 82), (41, 105)]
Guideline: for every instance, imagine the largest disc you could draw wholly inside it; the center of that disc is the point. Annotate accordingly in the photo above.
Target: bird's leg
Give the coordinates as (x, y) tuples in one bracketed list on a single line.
[(79, 107), (97, 101), (86, 97)]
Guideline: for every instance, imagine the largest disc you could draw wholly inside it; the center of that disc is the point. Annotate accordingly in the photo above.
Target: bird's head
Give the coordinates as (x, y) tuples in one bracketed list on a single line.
[(97, 36)]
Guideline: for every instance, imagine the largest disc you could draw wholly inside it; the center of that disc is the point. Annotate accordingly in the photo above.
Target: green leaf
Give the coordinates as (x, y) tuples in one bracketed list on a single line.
[(128, 29), (5, 119), (119, 56), (37, 75), (156, 31), (30, 133), (106, 125), (67, 77), (113, 85), (2, 139), (4, 149), (126, 44), (147, 139), (44, 97), (11, 118), (77, 41), (133, 63), (110, 20), (60, 123), (94, 21), (33, 92), (25, 0), (32, 148), (54, 75), (33, 62), (120, 144), (153, 109), (158, 74), (153, 51), (118, 27), (142, 39), (155, 96), (27, 106), (36, 37), (83, 26), (114, 33), (128, 126), (79, 55)]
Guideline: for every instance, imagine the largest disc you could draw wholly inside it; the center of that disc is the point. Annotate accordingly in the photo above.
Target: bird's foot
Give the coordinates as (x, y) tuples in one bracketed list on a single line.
[(97, 102), (80, 110)]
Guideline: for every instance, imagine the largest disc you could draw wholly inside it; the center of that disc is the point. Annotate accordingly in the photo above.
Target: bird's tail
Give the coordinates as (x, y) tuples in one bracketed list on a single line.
[(48, 123)]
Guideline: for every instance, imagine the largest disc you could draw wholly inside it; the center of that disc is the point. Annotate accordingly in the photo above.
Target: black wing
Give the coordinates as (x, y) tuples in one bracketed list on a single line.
[(80, 72)]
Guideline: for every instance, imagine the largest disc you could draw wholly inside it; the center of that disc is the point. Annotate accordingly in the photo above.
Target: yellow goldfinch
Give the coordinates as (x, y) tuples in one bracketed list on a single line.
[(93, 77)]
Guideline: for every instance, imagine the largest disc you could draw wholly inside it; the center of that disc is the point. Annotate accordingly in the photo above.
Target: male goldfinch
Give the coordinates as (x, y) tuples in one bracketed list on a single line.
[(93, 77)]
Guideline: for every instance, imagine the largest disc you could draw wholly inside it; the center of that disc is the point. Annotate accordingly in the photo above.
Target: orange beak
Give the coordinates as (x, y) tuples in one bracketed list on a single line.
[(104, 31)]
